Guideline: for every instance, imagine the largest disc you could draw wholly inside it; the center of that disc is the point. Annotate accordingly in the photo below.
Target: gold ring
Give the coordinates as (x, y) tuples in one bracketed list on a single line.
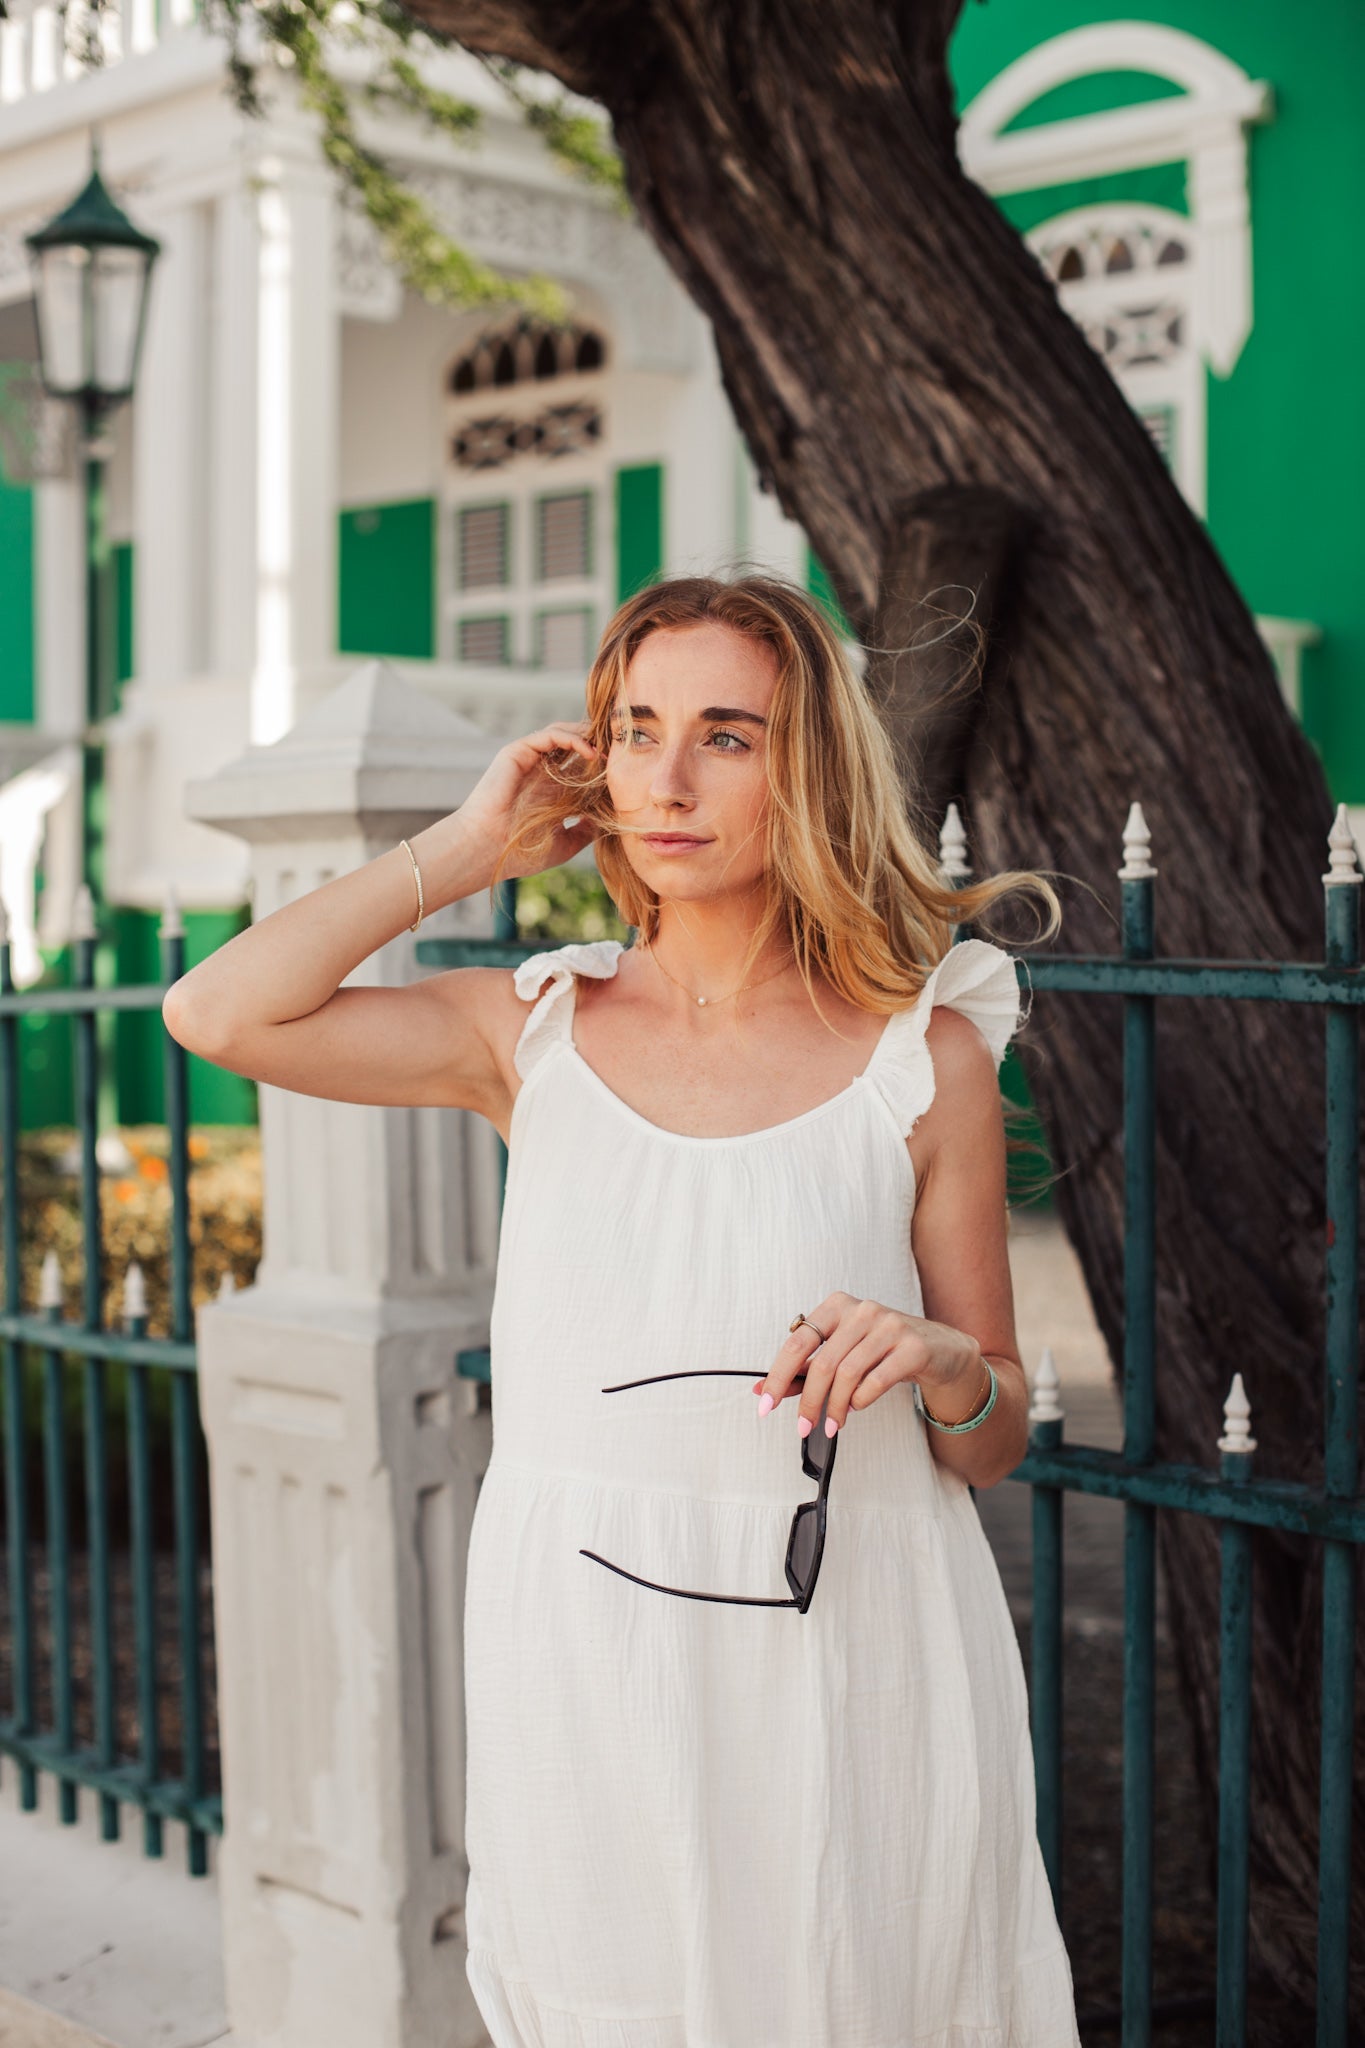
[(823, 1335)]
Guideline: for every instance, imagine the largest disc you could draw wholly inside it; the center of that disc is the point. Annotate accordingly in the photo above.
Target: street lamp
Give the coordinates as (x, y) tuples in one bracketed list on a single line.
[(91, 273)]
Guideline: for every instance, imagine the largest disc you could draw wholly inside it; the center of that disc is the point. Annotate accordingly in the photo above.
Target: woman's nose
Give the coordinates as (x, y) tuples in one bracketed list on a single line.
[(669, 782)]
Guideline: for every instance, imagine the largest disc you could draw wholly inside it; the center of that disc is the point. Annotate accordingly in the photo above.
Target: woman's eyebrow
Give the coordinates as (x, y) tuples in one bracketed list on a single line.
[(712, 711)]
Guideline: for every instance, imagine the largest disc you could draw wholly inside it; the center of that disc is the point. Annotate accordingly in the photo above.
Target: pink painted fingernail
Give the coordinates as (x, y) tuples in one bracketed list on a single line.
[(831, 1426), (805, 1425), (765, 1404)]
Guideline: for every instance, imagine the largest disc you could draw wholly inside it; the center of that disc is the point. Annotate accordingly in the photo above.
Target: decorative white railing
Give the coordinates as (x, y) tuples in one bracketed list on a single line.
[(43, 47)]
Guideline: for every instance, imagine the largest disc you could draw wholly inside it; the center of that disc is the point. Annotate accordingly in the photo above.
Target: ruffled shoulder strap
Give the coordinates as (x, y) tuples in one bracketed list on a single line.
[(974, 976), (551, 1021)]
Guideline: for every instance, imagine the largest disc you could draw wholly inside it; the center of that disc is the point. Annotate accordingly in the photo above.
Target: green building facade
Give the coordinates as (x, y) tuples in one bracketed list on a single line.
[(1148, 111)]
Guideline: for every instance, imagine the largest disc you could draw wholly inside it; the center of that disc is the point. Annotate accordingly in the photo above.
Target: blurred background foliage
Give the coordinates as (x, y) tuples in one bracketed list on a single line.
[(565, 904)]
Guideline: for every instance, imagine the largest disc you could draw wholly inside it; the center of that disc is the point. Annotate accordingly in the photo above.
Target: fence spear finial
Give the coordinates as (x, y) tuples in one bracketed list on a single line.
[(1343, 854), (952, 846), (172, 925), (1045, 1401), (134, 1292), (83, 914), (50, 1280), (1237, 1419), (1137, 847)]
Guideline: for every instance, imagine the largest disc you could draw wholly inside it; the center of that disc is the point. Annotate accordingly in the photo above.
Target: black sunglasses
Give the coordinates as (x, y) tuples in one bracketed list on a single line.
[(805, 1544)]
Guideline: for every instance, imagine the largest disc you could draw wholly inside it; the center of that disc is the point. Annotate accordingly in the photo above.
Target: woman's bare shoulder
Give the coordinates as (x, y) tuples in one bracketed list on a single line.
[(966, 1097), (486, 998)]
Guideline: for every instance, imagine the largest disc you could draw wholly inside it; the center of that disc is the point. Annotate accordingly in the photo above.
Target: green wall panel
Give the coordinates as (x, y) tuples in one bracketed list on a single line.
[(216, 1096), (16, 601), (1286, 430), (639, 527), (46, 1050), (1097, 93), (819, 585), (124, 644), (47, 1093), (386, 577)]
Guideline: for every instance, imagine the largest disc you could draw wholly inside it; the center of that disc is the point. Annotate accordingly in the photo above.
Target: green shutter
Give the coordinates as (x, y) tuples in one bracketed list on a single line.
[(16, 602), (639, 527), (217, 1096), (819, 586), (386, 599), (122, 552)]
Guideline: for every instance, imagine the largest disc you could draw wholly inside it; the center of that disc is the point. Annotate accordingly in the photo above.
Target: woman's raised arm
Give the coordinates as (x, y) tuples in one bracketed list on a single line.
[(269, 1003)]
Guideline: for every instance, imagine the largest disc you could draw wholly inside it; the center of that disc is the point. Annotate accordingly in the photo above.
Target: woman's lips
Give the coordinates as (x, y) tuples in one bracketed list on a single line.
[(673, 843)]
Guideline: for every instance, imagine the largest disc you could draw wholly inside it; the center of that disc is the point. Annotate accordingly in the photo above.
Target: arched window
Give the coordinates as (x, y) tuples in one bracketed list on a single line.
[(528, 351)]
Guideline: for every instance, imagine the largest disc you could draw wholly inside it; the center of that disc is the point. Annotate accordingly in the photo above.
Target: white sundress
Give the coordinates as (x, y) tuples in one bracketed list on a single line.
[(692, 1825)]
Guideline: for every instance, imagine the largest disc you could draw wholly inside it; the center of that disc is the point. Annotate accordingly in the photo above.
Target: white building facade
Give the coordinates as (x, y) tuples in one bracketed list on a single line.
[(318, 464)]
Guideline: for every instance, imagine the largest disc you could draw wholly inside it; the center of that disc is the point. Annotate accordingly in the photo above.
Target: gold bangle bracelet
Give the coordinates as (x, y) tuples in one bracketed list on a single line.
[(417, 877)]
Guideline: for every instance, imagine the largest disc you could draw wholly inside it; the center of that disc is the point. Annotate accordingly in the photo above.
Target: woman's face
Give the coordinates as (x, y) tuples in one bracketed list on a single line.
[(687, 765)]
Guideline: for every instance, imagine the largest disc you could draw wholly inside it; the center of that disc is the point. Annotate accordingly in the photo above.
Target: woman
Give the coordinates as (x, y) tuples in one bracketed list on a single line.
[(735, 1780)]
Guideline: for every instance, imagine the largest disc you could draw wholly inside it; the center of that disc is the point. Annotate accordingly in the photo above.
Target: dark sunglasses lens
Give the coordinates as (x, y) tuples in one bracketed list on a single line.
[(817, 1449), (803, 1544)]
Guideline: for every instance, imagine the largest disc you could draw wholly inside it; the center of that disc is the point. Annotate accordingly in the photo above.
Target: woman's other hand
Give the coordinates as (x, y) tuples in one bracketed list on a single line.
[(868, 1348)]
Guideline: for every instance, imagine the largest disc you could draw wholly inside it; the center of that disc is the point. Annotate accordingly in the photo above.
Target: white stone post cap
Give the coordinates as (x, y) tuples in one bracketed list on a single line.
[(376, 752)]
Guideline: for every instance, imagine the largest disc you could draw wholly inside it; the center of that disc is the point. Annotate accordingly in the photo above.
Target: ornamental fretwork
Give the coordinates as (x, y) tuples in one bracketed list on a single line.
[(494, 441)]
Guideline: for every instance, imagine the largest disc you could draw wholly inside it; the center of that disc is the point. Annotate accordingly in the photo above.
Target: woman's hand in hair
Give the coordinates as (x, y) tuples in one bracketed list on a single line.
[(518, 780)]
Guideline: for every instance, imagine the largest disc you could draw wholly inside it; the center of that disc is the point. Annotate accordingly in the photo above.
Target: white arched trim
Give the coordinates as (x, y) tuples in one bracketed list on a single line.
[(1204, 123)]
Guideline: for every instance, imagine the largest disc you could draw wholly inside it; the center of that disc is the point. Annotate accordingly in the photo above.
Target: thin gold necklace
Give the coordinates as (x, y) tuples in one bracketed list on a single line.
[(710, 1002)]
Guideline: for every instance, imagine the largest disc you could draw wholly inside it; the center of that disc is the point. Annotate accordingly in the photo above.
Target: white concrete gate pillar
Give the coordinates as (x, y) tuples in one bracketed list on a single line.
[(345, 1453)]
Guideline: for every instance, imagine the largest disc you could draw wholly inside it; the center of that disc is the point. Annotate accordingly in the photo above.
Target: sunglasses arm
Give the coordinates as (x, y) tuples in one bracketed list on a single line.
[(697, 1372), (729, 1599)]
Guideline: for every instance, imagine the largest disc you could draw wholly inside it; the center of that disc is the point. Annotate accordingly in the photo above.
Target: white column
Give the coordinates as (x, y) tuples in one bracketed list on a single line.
[(170, 467), (345, 1454), (59, 590), (297, 356), (232, 341), (775, 542), (698, 474)]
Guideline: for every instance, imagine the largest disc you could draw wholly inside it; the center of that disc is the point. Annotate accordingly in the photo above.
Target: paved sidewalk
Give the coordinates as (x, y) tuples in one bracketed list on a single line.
[(98, 1944)]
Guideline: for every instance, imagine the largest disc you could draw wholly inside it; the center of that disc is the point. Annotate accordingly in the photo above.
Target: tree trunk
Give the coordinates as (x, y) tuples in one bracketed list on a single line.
[(911, 389)]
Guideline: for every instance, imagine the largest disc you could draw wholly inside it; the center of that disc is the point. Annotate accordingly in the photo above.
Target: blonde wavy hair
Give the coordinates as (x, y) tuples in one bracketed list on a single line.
[(850, 886)]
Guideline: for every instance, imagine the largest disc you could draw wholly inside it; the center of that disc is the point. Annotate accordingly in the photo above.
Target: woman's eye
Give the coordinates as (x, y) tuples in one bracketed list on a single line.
[(636, 733)]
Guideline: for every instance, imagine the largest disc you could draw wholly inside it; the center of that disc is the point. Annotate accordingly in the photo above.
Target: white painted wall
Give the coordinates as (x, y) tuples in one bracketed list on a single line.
[(392, 374)]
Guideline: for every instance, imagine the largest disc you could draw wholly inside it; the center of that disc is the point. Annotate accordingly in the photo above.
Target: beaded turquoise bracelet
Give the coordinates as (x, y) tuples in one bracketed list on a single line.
[(973, 1421)]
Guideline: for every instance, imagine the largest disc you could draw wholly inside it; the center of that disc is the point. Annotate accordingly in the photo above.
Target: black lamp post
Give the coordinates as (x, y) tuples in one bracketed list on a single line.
[(91, 272)]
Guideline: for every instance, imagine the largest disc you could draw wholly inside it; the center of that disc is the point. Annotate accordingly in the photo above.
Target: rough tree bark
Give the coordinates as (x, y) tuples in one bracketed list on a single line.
[(910, 388)]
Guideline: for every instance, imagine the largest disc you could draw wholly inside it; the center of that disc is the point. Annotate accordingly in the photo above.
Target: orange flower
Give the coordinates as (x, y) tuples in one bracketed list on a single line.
[(124, 1190), (153, 1168)]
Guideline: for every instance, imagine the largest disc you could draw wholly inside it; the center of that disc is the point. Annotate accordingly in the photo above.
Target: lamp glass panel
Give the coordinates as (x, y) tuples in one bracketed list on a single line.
[(120, 275), (62, 317)]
